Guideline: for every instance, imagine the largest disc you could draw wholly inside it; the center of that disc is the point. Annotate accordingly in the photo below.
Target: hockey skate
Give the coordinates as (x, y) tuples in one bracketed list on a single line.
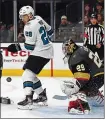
[(27, 103), (78, 104), (41, 100)]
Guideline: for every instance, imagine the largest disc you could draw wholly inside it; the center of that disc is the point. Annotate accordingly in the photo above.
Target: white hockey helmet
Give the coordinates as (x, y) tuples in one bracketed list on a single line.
[(26, 10)]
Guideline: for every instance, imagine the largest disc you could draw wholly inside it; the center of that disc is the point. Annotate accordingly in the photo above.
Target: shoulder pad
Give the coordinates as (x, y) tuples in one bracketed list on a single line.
[(38, 17), (83, 50)]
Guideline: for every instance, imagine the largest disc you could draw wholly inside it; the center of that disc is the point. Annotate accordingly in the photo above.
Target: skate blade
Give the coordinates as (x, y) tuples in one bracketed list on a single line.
[(27, 107), (40, 104), (78, 112)]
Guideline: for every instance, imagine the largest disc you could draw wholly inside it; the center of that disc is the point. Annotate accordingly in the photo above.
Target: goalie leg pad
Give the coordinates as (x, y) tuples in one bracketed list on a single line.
[(78, 104)]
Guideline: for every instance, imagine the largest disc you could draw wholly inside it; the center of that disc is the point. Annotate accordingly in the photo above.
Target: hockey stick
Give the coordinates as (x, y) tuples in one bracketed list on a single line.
[(60, 97)]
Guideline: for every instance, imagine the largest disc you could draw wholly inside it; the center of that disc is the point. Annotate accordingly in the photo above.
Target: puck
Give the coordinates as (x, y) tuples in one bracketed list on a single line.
[(9, 79)]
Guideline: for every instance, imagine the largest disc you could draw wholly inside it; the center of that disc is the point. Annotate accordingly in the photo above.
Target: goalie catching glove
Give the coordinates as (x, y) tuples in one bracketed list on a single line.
[(14, 47), (70, 87)]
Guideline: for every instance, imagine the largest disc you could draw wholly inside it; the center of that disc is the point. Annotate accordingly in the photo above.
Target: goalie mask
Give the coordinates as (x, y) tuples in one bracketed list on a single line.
[(69, 47)]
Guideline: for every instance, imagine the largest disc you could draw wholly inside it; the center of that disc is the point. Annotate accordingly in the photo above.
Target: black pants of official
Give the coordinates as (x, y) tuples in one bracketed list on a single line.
[(94, 49)]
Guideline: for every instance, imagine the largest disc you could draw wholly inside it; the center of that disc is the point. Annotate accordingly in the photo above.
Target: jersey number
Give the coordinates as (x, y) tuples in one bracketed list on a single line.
[(44, 36), (29, 34), (80, 67), (95, 59)]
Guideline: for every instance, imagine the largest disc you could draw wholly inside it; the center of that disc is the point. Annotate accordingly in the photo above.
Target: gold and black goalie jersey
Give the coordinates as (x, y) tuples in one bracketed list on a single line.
[(84, 64)]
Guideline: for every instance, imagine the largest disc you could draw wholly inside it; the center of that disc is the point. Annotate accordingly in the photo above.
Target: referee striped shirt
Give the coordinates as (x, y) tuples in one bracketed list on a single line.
[(94, 34)]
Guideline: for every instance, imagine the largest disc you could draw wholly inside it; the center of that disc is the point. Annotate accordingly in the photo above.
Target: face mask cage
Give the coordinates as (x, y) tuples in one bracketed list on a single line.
[(65, 48), (68, 47)]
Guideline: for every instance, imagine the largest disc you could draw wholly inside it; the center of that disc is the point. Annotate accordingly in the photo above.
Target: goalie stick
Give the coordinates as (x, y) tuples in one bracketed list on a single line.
[(60, 97), (99, 99)]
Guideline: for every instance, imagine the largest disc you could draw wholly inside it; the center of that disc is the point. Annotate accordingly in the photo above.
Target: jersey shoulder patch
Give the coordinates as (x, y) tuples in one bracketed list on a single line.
[(40, 22), (86, 49), (83, 50), (38, 17)]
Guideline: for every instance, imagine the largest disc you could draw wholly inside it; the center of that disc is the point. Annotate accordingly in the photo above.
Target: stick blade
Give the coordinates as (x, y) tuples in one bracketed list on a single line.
[(59, 97)]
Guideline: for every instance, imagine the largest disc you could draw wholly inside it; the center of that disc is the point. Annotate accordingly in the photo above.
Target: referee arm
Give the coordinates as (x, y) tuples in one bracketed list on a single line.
[(102, 35), (101, 42), (86, 36)]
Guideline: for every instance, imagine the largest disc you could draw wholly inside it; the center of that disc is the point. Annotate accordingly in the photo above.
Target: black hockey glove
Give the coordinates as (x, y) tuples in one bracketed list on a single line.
[(5, 100), (14, 48)]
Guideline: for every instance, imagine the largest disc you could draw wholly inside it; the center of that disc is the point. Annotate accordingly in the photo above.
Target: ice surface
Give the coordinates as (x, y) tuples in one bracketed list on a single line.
[(55, 108)]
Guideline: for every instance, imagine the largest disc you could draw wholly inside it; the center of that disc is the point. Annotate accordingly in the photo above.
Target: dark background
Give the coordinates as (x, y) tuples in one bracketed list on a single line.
[(43, 9)]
